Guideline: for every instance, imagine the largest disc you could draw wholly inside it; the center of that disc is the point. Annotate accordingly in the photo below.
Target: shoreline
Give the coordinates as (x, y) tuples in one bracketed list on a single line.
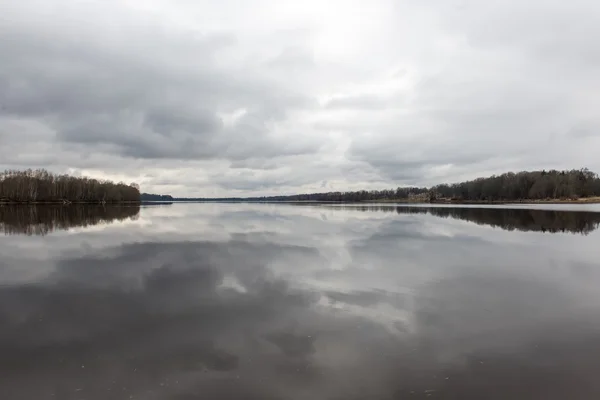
[(585, 200)]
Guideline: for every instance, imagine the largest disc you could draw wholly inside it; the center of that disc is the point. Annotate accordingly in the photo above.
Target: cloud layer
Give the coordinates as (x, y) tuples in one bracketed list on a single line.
[(207, 99)]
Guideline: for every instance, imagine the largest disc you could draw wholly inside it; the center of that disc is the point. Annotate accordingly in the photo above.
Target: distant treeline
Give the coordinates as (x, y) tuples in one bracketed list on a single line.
[(41, 220), (536, 185), (41, 186), (552, 221), (520, 186), (155, 197)]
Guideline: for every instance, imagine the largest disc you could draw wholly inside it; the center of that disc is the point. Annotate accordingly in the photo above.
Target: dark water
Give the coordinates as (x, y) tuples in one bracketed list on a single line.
[(234, 301)]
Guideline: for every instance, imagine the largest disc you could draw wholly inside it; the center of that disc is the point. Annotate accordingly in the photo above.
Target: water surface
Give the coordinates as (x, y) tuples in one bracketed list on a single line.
[(268, 301)]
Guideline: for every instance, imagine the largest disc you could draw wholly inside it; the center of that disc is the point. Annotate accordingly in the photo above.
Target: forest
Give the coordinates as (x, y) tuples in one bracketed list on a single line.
[(156, 197), (508, 187), (535, 185), (41, 186)]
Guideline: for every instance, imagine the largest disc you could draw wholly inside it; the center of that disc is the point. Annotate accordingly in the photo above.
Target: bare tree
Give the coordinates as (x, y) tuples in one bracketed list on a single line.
[(33, 186)]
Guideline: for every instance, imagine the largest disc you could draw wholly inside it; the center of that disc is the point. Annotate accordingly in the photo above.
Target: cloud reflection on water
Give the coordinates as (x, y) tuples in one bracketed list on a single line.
[(275, 302)]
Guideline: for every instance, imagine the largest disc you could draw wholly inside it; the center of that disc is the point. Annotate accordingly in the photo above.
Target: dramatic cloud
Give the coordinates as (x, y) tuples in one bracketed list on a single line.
[(264, 97)]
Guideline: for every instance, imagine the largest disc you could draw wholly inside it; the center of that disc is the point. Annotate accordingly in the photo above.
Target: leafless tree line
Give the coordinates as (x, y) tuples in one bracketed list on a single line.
[(534, 185), (41, 186)]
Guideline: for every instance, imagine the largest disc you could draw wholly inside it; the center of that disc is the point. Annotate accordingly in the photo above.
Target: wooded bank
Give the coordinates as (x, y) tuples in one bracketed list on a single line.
[(41, 186)]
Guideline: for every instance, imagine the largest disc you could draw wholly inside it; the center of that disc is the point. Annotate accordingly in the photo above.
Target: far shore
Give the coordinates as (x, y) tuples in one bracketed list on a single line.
[(583, 200)]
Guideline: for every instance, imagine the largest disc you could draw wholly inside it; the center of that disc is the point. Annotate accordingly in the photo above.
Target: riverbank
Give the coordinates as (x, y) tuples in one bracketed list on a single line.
[(583, 200)]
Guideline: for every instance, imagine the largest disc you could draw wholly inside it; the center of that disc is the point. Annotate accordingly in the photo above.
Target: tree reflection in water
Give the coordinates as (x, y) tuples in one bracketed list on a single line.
[(41, 220), (579, 222)]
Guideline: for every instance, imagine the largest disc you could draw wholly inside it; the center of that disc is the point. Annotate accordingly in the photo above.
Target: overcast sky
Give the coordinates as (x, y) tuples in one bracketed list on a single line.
[(232, 97)]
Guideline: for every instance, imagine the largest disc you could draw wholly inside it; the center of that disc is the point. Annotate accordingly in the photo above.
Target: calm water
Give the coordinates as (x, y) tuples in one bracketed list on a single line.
[(251, 301)]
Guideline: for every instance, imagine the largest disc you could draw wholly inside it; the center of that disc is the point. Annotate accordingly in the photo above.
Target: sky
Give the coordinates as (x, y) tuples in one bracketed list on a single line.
[(266, 97)]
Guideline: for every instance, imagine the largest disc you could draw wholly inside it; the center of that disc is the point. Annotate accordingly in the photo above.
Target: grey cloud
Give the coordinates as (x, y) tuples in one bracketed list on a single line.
[(253, 163), (142, 92), (293, 58), (584, 130), (409, 162), (547, 29), (365, 102), (516, 93), (276, 173), (475, 126), (182, 120)]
